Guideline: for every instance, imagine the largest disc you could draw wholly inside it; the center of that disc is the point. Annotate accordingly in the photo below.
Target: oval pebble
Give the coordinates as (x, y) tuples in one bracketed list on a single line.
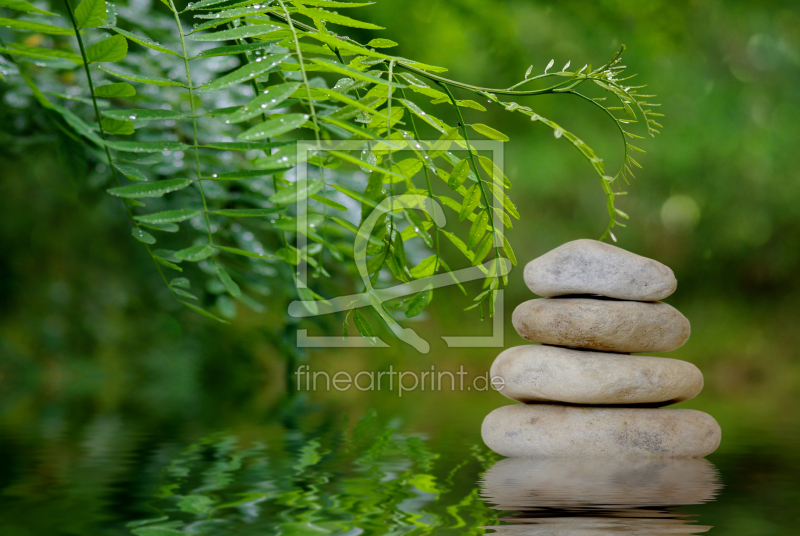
[(564, 431), (592, 267)]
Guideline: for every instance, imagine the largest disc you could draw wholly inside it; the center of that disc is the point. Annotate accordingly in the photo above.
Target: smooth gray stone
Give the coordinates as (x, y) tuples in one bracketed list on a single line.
[(592, 267), (535, 373), (527, 483), (601, 324), (527, 430)]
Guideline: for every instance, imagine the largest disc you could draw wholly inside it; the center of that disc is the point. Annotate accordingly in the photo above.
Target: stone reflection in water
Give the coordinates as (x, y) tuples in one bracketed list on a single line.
[(570, 497)]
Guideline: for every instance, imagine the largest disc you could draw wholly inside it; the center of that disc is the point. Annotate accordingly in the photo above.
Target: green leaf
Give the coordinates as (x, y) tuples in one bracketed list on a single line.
[(245, 253), (375, 262), (242, 32), (119, 89), (131, 172), (358, 131), (483, 249), (234, 50), (353, 73), (77, 123), (146, 146), (108, 50), (321, 14), (489, 132), (494, 172), (507, 204), (471, 201), (244, 146), (166, 227), (418, 227), (363, 326), (140, 114), (145, 41), (17, 49), (435, 122), (399, 252), (333, 3), (459, 174), (352, 194), (25, 7), (444, 143), (213, 317), (471, 104), (426, 268), (508, 251), (297, 191), (270, 99), (115, 126), (238, 12), (378, 307), (353, 160), (283, 158), (244, 73), (183, 294), (181, 282), (150, 189), (169, 216), (194, 253), (381, 43), (329, 202), (143, 236), (202, 4), (418, 303), (422, 66), (352, 102), (154, 80), (144, 159), (229, 283), (248, 212), (274, 127), (91, 13), (477, 230), (28, 26)]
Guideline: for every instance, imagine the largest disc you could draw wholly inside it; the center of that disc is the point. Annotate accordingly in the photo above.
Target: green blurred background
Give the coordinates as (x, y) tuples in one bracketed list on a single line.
[(89, 336), (85, 318)]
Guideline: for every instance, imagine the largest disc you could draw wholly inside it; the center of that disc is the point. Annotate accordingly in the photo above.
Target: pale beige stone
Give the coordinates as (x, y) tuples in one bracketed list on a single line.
[(526, 483), (592, 267), (621, 522), (602, 324), (566, 431), (535, 373)]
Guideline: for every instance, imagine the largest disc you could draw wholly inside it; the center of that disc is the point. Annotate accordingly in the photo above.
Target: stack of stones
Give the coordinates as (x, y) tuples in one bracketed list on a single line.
[(583, 393)]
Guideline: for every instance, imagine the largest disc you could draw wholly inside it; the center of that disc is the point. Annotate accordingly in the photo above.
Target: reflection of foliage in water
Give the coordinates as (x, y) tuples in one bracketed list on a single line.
[(374, 480)]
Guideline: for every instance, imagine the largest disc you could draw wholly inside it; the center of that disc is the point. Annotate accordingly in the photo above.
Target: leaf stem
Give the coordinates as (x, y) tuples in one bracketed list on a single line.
[(110, 160), (193, 106), (472, 161), (430, 189), (313, 112)]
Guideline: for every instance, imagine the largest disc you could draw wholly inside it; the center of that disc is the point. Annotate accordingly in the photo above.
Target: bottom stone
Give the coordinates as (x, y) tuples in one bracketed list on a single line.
[(550, 430)]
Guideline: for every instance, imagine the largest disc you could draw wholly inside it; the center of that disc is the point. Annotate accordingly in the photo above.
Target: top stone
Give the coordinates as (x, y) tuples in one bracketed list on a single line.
[(592, 267)]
